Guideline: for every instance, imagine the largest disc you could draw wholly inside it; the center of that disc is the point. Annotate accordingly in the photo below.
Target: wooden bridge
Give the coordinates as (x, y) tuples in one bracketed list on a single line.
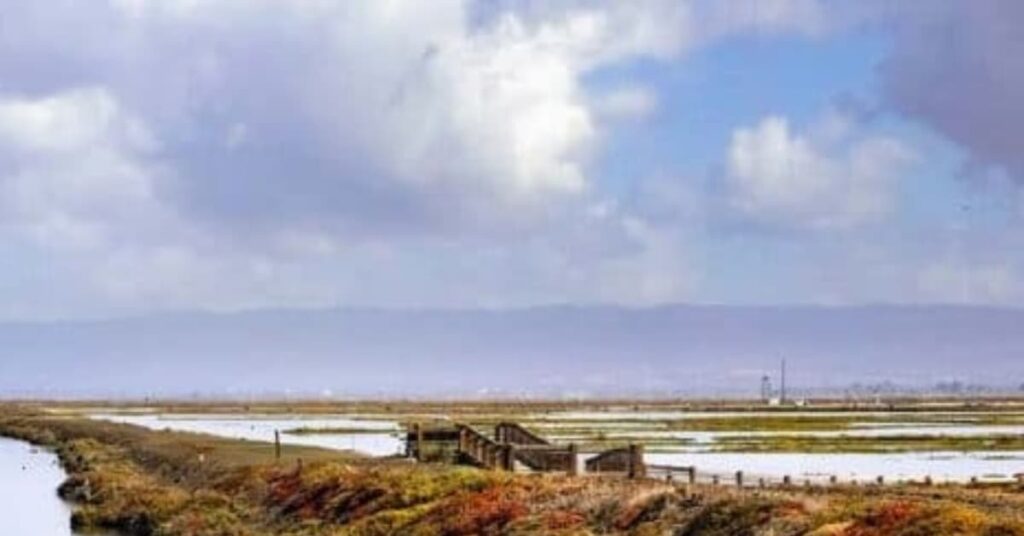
[(514, 448)]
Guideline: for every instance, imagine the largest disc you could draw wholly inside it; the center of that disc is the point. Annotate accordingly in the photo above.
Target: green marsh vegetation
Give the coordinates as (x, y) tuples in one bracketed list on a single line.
[(860, 444)]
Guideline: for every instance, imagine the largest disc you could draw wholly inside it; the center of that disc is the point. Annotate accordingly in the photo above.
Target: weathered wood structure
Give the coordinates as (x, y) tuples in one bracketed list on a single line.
[(513, 448), (629, 460)]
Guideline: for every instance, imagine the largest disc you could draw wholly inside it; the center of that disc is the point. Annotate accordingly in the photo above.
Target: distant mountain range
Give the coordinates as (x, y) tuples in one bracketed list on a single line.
[(591, 350)]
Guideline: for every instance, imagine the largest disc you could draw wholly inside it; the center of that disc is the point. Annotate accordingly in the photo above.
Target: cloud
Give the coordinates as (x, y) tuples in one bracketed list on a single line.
[(801, 17), (357, 120), (252, 154), (627, 103), (955, 67), (958, 282), (76, 171), (779, 177)]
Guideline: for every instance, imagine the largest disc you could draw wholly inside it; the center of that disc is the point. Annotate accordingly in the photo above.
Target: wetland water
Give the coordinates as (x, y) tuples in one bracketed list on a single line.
[(381, 437), (374, 437), (29, 504)]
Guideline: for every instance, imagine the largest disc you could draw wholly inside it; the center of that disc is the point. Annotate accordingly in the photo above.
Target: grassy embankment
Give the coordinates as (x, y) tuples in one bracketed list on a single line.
[(147, 482)]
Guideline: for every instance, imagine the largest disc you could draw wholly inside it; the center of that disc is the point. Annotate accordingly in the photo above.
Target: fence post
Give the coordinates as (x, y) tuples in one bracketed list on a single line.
[(419, 441), (509, 459), (786, 480), (691, 474), (573, 459), (739, 479), (833, 480), (277, 445), (880, 480)]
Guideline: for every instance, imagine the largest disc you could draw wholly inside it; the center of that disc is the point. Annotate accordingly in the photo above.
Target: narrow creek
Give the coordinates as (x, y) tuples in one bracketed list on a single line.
[(28, 491)]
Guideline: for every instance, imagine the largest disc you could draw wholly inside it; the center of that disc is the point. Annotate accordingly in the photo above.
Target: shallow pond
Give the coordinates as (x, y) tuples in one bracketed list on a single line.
[(940, 466), (28, 492), (375, 437)]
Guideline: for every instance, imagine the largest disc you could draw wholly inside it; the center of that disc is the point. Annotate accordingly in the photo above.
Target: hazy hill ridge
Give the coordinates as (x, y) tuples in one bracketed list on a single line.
[(546, 350)]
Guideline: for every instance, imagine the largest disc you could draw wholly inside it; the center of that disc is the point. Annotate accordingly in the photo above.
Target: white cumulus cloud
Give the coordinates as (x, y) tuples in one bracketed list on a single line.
[(780, 177)]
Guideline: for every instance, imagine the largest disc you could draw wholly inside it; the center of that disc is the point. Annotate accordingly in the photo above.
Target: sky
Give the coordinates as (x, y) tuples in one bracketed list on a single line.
[(225, 155)]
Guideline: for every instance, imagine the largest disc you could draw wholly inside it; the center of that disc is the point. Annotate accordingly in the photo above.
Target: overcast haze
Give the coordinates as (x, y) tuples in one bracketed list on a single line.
[(245, 155), (663, 351)]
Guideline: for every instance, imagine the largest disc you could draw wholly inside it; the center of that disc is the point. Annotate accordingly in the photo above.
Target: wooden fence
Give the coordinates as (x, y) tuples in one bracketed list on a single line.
[(628, 460)]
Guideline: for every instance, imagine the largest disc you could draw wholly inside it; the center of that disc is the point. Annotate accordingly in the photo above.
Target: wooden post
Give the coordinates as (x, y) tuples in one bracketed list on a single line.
[(277, 445), (833, 480), (574, 457), (508, 461), (691, 474), (637, 469), (739, 479), (761, 483), (928, 480), (880, 480), (418, 429), (786, 480), (714, 479)]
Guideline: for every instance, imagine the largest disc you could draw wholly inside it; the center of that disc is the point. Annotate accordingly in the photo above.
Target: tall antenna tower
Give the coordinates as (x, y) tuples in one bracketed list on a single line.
[(782, 389)]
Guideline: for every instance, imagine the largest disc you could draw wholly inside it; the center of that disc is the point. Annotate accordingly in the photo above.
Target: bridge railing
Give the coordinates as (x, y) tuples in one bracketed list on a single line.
[(629, 460), (482, 450), (548, 457), (510, 432)]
